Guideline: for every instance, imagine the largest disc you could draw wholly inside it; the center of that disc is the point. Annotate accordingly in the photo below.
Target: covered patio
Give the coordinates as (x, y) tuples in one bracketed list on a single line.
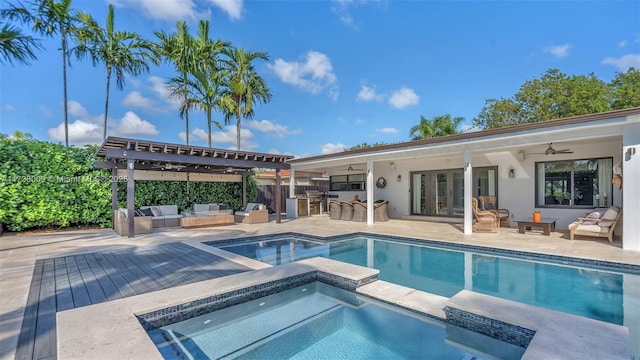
[(437, 178), (149, 160)]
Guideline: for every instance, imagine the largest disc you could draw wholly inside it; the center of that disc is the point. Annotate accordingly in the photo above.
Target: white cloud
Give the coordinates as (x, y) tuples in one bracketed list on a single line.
[(332, 148), (278, 152), (159, 87), (266, 126), (368, 93), (404, 97), (467, 128), (136, 100), (625, 62), (169, 10), (387, 131), (80, 133), (559, 51), (9, 107), (622, 43), (76, 109), (131, 124), (222, 139), (359, 121), (314, 74), (233, 8)]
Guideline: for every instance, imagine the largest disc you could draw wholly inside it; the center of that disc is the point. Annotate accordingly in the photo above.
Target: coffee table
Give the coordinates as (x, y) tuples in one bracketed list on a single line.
[(546, 224), (191, 221)]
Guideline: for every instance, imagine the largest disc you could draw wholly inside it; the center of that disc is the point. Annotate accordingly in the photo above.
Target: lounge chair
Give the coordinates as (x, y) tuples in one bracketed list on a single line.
[(486, 220), (599, 223), (490, 203), (347, 211), (359, 211), (335, 210), (253, 213)]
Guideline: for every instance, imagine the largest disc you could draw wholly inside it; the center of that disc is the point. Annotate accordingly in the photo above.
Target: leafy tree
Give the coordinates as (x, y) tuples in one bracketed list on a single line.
[(554, 95), (49, 18), (205, 78), (365, 146), (625, 90), (177, 48), (14, 45), (438, 126), (244, 86), (122, 52)]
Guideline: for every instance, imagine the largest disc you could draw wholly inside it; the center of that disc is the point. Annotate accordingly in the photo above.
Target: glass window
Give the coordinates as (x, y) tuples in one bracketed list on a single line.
[(348, 182), (574, 183)]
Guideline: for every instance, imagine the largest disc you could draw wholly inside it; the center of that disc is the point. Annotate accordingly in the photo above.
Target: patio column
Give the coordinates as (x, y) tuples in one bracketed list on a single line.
[(370, 193), (114, 194), (630, 189), (278, 195), (292, 184), (130, 205), (468, 193)]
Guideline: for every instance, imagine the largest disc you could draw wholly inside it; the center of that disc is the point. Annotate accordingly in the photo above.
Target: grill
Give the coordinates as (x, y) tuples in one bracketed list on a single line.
[(314, 202)]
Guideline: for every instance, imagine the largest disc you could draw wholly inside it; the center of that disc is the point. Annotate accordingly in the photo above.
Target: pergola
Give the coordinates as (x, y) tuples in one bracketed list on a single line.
[(143, 157)]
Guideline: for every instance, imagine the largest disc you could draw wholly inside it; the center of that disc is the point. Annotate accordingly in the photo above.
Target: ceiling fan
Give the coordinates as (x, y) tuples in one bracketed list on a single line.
[(551, 151), (351, 168)]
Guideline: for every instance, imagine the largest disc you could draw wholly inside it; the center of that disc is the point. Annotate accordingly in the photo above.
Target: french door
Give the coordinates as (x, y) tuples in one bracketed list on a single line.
[(441, 192)]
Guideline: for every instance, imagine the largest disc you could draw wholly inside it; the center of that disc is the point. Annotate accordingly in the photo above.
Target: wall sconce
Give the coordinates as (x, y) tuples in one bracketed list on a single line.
[(466, 165), (512, 173), (521, 155), (130, 166), (393, 166), (399, 178), (629, 153)]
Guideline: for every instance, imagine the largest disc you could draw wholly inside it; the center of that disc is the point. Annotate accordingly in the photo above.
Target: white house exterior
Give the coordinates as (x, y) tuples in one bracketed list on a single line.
[(439, 176)]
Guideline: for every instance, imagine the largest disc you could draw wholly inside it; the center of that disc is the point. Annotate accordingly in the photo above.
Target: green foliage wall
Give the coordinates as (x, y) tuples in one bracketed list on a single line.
[(46, 185)]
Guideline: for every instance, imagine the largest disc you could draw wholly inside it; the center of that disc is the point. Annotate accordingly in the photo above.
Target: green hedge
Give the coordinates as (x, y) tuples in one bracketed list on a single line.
[(46, 185)]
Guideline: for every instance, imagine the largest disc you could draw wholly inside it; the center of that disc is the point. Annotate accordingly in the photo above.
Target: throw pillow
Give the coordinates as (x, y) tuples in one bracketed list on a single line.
[(256, 207), (214, 207), (489, 206), (224, 207), (155, 211), (146, 212), (605, 223), (137, 212)]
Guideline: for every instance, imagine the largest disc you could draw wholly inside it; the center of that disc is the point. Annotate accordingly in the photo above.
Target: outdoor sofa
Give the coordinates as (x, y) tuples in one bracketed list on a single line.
[(141, 224), (253, 213), (163, 215), (601, 222)]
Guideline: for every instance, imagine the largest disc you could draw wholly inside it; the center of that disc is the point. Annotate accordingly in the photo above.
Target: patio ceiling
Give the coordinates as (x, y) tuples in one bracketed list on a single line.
[(159, 156)]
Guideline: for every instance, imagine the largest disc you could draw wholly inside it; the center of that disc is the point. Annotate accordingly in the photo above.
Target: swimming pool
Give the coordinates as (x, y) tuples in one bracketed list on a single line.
[(597, 290), (314, 321)]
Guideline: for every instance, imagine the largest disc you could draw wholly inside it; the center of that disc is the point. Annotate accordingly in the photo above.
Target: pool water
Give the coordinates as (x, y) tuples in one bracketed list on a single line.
[(594, 293), (314, 321)]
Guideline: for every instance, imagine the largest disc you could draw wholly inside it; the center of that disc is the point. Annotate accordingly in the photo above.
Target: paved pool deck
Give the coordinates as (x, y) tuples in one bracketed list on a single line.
[(19, 254)]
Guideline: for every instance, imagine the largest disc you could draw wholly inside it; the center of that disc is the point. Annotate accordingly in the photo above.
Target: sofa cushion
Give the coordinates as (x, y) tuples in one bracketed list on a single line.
[(200, 208), (155, 211), (251, 206), (167, 209), (590, 227), (611, 213), (214, 207)]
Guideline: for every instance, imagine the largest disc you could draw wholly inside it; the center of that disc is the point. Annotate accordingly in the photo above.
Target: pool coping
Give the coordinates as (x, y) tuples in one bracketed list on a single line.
[(88, 332)]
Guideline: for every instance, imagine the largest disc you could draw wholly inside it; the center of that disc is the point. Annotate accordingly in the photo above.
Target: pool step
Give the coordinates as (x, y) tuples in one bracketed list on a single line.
[(223, 340)]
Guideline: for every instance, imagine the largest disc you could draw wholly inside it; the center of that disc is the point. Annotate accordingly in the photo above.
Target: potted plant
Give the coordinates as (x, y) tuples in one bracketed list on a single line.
[(355, 198), (537, 216)]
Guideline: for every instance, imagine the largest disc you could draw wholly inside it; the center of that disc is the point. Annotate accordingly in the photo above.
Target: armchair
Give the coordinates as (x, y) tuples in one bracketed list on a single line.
[(490, 203), (486, 221)]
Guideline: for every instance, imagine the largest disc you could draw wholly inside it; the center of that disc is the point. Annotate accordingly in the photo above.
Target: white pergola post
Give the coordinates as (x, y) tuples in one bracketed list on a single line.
[(370, 204), (630, 189), (468, 193), (292, 184)]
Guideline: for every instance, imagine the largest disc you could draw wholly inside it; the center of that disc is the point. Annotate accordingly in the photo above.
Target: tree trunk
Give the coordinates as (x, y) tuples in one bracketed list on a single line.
[(106, 103), (209, 123), (238, 125), (64, 87)]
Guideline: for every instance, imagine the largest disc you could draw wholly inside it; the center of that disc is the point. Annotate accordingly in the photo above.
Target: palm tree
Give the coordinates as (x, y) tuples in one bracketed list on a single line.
[(438, 126), (14, 45), (244, 86), (177, 48), (49, 18), (122, 52)]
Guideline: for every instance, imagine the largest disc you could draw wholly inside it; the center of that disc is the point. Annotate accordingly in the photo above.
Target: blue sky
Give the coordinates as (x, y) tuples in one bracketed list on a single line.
[(341, 72)]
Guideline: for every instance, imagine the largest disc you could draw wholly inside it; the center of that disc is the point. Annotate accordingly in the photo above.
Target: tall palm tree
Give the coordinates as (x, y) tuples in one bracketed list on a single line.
[(177, 48), (438, 126), (48, 17), (122, 52), (14, 45), (244, 86)]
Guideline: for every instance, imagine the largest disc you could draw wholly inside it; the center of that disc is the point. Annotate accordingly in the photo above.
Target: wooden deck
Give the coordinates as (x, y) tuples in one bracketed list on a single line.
[(73, 281)]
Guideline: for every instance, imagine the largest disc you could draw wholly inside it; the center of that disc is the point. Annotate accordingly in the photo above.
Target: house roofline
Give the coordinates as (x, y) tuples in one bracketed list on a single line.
[(478, 134)]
